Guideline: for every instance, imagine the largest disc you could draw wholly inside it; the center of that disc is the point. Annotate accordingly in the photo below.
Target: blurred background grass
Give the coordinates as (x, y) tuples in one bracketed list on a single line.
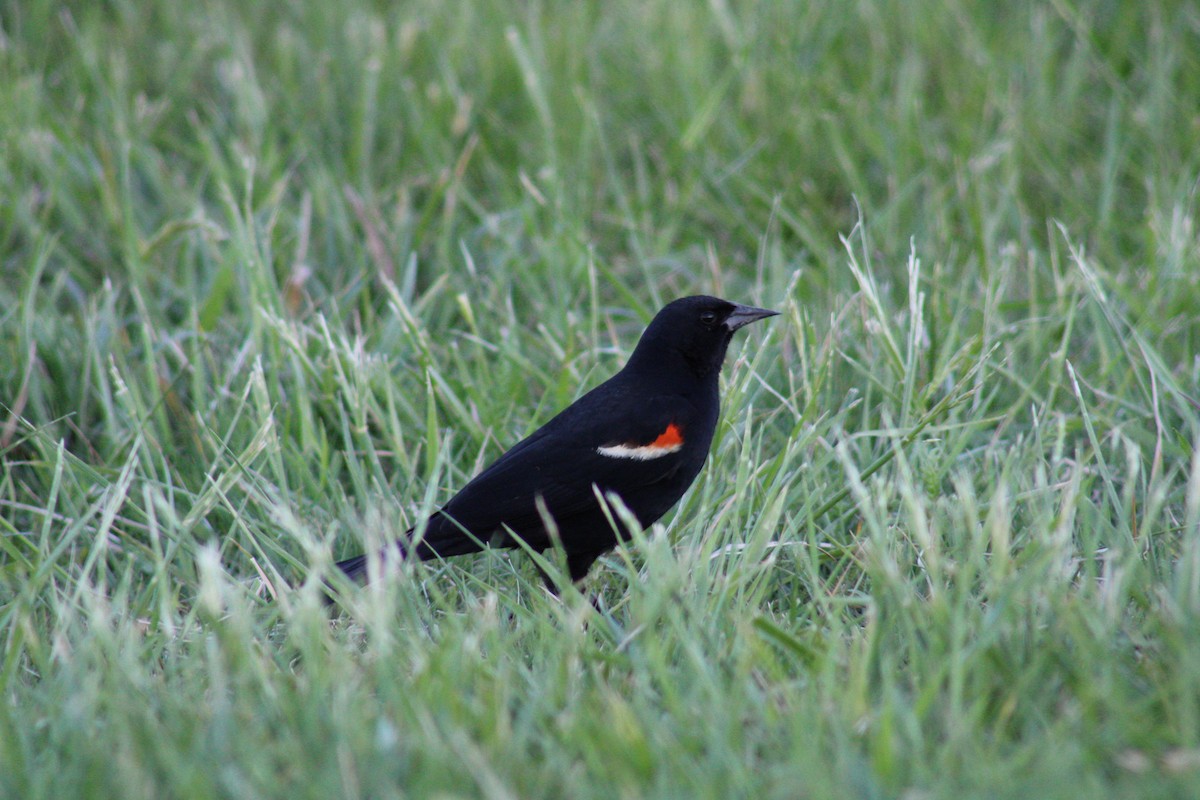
[(274, 278)]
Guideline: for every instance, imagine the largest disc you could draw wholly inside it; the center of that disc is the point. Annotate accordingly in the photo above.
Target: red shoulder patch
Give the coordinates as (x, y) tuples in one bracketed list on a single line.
[(671, 437), (669, 441)]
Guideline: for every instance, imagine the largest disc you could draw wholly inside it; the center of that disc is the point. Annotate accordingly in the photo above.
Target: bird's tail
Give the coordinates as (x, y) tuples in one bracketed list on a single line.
[(354, 568), (441, 539)]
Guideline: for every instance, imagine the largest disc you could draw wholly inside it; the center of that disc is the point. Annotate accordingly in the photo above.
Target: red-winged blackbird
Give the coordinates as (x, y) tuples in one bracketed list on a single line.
[(643, 434)]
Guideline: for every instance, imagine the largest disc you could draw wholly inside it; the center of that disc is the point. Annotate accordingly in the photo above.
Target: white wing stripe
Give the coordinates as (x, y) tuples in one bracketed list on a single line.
[(643, 453)]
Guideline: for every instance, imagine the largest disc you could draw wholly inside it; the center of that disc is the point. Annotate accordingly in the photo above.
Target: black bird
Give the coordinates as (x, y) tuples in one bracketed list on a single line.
[(643, 434)]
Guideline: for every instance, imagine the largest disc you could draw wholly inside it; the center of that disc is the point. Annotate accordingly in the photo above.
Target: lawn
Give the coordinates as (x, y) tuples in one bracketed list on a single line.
[(276, 278)]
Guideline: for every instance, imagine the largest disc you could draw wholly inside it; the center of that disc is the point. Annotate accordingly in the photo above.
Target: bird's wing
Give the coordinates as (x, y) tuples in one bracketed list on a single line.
[(564, 460)]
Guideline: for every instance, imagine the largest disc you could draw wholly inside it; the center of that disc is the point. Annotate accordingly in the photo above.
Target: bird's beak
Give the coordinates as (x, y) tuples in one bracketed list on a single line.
[(744, 315)]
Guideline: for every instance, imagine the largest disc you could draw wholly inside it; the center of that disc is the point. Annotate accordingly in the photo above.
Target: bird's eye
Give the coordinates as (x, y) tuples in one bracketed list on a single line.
[(708, 317)]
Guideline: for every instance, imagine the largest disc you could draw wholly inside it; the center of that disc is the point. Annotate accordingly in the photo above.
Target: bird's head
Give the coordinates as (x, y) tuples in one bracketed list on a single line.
[(695, 331)]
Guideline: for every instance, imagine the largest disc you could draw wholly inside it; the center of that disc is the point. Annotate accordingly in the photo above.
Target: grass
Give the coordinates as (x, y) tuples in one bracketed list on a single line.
[(275, 279)]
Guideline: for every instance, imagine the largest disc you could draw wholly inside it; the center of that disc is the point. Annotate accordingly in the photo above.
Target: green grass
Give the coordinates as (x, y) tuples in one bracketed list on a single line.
[(276, 278)]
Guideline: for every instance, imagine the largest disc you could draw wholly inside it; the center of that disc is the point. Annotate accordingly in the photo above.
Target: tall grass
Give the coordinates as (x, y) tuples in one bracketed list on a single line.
[(275, 280)]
